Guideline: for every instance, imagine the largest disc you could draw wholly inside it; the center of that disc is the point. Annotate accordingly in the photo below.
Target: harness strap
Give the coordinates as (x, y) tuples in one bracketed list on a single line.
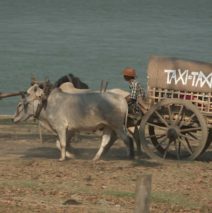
[(38, 110)]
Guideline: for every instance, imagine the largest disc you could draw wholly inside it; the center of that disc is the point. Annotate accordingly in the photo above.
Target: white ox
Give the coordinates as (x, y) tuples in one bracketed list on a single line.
[(68, 87), (66, 113)]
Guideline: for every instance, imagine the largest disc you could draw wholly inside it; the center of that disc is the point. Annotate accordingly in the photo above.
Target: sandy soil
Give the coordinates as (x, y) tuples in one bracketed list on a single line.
[(32, 179)]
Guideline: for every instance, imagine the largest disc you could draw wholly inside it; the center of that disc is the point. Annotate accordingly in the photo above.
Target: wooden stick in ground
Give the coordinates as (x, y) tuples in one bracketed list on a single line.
[(101, 86), (105, 86), (143, 194)]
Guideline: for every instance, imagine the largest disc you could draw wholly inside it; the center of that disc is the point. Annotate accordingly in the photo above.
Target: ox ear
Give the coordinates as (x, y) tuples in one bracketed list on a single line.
[(33, 80), (47, 87)]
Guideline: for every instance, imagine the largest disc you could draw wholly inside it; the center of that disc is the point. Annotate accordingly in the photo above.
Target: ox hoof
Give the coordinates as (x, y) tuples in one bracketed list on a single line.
[(131, 157), (70, 155), (61, 159), (139, 153), (95, 159)]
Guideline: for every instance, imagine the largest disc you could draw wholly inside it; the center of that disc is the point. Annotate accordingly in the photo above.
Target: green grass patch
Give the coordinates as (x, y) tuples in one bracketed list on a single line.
[(120, 194), (159, 197), (20, 183), (173, 199)]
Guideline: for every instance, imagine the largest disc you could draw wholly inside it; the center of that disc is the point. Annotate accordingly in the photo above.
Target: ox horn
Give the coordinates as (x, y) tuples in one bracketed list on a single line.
[(33, 80)]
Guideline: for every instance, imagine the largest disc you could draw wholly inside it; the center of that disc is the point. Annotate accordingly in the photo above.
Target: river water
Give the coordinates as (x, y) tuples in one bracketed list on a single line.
[(96, 39)]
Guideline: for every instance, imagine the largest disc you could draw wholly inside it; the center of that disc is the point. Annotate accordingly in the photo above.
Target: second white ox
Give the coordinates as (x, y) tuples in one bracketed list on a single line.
[(67, 113)]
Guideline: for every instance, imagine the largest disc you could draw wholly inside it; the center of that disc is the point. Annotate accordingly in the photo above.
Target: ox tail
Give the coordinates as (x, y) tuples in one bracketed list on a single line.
[(126, 118)]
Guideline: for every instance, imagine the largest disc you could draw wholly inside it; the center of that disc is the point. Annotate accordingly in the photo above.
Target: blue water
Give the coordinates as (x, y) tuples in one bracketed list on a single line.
[(96, 39)]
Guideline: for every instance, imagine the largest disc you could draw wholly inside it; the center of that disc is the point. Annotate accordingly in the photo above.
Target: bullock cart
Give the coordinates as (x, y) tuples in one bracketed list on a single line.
[(177, 122)]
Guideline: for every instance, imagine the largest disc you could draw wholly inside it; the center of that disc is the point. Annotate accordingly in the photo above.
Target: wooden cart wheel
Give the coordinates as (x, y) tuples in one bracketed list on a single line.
[(173, 129)]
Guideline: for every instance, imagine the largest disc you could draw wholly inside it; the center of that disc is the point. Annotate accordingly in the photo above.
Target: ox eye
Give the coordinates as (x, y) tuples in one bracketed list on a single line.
[(19, 107)]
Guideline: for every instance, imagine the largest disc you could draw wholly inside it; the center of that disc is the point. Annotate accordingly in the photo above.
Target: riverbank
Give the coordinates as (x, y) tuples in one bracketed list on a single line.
[(32, 179)]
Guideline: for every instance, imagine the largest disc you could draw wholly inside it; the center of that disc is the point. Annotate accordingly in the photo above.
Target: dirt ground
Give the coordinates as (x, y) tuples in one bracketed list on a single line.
[(33, 180)]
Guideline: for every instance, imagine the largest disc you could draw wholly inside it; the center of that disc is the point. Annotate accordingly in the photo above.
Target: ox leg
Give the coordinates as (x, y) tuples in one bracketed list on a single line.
[(128, 140), (135, 132), (58, 144), (113, 138), (105, 144), (69, 148), (137, 140), (62, 141)]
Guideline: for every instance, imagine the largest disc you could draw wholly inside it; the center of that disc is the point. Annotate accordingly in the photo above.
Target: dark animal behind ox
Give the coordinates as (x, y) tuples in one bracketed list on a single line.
[(73, 79), (48, 86)]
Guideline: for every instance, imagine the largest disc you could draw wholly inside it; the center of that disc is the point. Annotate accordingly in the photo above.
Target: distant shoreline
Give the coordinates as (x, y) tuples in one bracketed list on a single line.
[(5, 116)]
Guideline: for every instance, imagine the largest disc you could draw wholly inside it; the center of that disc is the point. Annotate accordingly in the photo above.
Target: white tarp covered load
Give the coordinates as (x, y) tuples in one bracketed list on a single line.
[(178, 74)]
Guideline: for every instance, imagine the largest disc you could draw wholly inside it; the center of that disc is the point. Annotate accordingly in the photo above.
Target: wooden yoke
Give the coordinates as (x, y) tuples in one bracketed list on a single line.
[(11, 94)]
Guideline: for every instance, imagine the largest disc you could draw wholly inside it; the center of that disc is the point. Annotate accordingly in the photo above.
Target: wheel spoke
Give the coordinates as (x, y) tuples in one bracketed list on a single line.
[(156, 125), (190, 138), (155, 136), (161, 118), (179, 114), (186, 145), (190, 129), (177, 148), (161, 142), (170, 114), (180, 123), (193, 136), (192, 117), (166, 149)]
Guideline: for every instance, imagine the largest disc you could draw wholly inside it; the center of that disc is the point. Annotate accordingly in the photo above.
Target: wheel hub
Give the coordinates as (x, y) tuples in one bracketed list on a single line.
[(172, 133)]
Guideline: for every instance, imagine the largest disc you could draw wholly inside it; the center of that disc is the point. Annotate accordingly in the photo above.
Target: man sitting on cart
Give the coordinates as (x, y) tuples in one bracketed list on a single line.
[(137, 94)]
